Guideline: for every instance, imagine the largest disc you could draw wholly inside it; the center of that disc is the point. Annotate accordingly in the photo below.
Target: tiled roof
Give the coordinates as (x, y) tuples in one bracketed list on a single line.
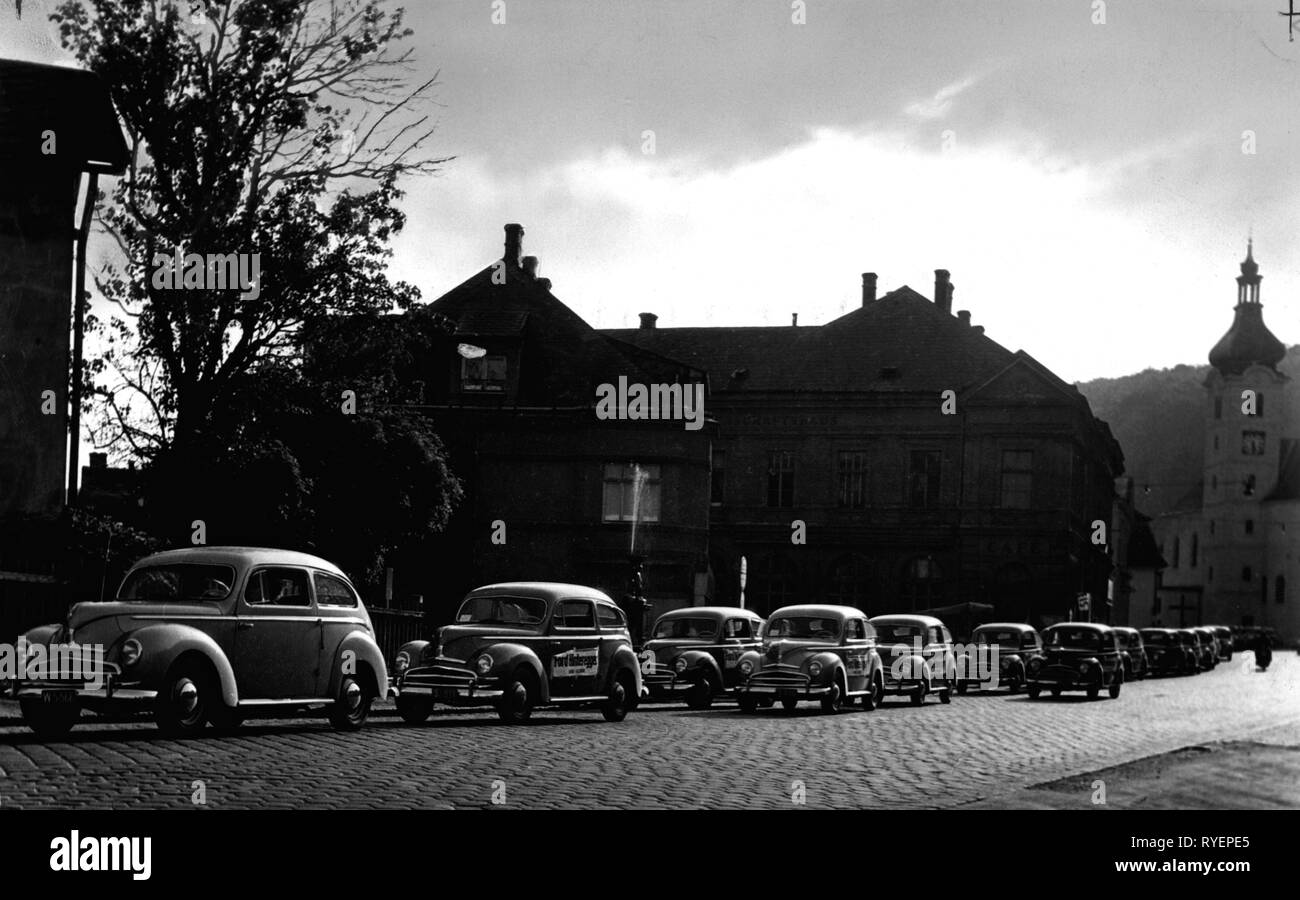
[(72, 103)]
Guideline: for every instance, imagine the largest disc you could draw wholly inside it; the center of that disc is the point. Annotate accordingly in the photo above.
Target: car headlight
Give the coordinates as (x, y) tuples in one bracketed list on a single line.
[(131, 652), (814, 668), (1035, 664), (483, 663), (1083, 667), (746, 667), (680, 666), (403, 662)]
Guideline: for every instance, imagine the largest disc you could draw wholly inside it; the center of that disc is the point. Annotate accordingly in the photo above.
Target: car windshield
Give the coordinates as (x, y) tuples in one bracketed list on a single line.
[(687, 627), (1189, 638), (1007, 640), (1157, 637), (1082, 638), (899, 634), (817, 627), (177, 583), (527, 611)]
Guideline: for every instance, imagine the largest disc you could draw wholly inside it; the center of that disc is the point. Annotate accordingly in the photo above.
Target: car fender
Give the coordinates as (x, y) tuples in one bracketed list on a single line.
[(831, 664), (414, 651), (42, 634), (909, 667), (702, 661), (508, 657), (624, 658), (755, 658), (362, 649), (163, 643)]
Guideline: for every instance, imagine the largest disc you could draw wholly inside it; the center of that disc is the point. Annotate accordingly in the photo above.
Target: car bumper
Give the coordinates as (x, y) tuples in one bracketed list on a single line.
[(111, 689), (1066, 679), (447, 684), (786, 692)]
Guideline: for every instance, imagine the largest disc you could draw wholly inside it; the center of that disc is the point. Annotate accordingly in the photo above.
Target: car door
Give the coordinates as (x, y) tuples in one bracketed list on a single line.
[(936, 654), (337, 610), (857, 654), (613, 635), (738, 636), (575, 652), (277, 636)]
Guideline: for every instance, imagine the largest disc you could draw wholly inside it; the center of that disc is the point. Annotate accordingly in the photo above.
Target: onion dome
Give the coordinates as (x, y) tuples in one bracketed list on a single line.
[(1248, 342)]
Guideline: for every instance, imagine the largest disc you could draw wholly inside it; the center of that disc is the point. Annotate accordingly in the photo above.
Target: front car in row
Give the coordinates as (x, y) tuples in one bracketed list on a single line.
[(517, 646), (694, 653), (1078, 656)]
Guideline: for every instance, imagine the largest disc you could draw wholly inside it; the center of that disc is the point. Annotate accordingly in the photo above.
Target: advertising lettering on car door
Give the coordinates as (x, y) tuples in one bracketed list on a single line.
[(575, 663)]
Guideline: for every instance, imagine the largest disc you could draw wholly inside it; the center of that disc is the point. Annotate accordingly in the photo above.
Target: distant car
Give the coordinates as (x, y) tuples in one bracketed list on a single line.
[(1207, 647), (1078, 656), (695, 653), (521, 645), (1136, 663), (1224, 635), (1170, 651), (1016, 643), (813, 652), (211, 634), (917, 652)]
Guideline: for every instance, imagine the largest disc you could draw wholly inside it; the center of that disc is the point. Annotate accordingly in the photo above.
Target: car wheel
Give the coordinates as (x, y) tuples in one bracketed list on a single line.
[(1033, 690), (620, 698), (181, 707), (413, 708), (352, 705), (834, 701), (962, 688), (1014, 682), (789, 703), (49, 720), (516, 704), (225, 719), (945, 694), (918, 695), (700, 696), (767, 702), (874, 697), (748, 703), (1094, 692), (1114, 687)]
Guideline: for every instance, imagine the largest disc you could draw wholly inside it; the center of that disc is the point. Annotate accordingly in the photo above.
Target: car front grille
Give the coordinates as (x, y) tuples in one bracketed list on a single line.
[(439, 676), (781, 677)]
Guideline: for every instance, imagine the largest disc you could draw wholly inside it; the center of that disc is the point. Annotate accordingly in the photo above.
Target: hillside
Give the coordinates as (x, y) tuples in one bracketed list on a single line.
[(1158, 418)]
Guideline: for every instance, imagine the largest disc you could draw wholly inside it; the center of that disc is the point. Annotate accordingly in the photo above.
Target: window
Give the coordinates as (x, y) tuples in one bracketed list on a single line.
[(1178, 552), (178, 583), (1250, 526), (575, 614), (1246, 573), (1209, 575), (1211, 527), (331, 591), (1017, 478), (610, 617), (849, 582), (630, 493), (774, 582), (1196, 549), (1218, 407), (1248, 486), (922, 586), (1252, 443), (718, 478), (780, 478), (1279, 589), (740, 629), (1259, 403), (924, 478), (487, 373), (853, 480), (1216, 442), (855, 630), (277, 587)]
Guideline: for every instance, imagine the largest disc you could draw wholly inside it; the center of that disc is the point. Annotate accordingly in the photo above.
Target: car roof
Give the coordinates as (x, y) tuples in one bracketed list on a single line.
[(545, 590), (1158, 628), (1097, 626), (1125, 628), (710, 611), (907, 619), (820, 609), (1009, 626), (241, 556)]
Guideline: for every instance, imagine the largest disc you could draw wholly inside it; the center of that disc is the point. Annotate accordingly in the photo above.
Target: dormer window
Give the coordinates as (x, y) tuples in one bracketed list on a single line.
[(487, 373)]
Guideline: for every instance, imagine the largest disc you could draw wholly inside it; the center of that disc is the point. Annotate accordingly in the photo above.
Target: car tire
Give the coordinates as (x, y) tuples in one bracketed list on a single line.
[(700, 696), (874, 697), (1014, 683), (747, 703), (1033, 691), (945, 693), (225, 719), (181, 707), (49, 720), (962, 688), (621, 698), (918, 695), (789, 704), (413, 708), (517, 700), (834, 701), (350, 708), (1115, 685), (767, 702), (1094, 692)]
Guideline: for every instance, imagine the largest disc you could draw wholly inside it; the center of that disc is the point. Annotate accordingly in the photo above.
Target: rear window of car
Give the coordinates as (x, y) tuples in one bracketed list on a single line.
[(610, 616), (178, 583), (332, 591), (277, 587)]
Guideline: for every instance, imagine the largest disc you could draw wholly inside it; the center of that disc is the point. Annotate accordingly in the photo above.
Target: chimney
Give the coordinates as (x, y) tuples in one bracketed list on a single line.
[(942, 293), (530, 267), (868, 288), (964, 316), (514, 244), (794, 320), (978, 329), (648, 320)]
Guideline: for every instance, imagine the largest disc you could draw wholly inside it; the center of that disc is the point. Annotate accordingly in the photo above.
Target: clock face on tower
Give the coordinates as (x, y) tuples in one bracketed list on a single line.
[(1252, 443)]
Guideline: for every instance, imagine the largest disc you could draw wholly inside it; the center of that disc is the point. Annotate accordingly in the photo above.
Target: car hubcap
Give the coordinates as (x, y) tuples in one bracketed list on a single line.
[(619, 695), (186, 698), (519, 698), (352, 696)]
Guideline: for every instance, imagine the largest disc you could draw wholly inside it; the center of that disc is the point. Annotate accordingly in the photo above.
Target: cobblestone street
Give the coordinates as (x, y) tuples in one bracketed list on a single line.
[(979, 748)]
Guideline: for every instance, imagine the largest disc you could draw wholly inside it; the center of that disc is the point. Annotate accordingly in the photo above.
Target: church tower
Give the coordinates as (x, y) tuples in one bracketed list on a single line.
[(1247, 415)]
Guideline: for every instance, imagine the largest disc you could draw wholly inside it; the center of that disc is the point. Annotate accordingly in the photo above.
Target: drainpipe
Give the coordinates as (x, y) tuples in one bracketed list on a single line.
[(78, 338)]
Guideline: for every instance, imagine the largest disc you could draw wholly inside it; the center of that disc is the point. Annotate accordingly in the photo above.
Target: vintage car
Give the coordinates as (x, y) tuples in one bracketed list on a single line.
[(517, 646), (1224, 635), (813, 652), (1170, 651), (1078, 656), (918, 656), (1207, 647), (694, 653), (212, 635), (1136, 664), (998, 654)]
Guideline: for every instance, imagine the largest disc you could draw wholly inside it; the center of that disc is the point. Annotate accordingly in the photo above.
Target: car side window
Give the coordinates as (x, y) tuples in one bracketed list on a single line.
[(854, 630), (740, 629), (332, 591), (575, 614), (933, 635), (277, 587), (610, 617), (1030, 642), (947, 638)]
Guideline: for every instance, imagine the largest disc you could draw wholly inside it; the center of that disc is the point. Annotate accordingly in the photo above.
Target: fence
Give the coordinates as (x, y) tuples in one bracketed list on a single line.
[(394, 627)]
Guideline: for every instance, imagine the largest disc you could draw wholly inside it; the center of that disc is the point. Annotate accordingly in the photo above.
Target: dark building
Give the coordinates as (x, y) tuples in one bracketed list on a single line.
[(908, 497)]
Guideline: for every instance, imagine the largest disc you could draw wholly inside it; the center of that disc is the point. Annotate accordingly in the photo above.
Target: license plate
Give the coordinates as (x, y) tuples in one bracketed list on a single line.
[(58, 697), (786, 693), (444, 695)]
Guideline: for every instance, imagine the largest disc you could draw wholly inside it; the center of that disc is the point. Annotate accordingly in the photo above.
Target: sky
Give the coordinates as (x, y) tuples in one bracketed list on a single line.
[(1080, 166)]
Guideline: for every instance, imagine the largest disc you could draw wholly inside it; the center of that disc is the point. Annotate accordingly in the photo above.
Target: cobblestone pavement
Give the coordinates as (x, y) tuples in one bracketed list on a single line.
[(980, 747)]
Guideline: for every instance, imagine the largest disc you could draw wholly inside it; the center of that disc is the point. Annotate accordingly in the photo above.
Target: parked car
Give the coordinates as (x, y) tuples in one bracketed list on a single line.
[(1207, 647), (211, 635), (695, 653), (1014, 644), (1136, 663), (1223, 634), (918, 656), (813, 652), (1078, 656), (518, 646), (1170, 651)]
